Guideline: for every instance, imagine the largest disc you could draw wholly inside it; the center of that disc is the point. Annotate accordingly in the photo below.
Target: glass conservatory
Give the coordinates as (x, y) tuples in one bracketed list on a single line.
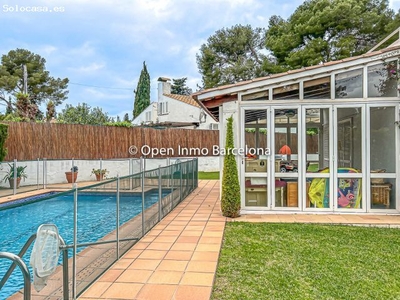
[(332, 134)]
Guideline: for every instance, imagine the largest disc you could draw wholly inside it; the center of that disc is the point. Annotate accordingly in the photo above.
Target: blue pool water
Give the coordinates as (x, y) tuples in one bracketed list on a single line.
[(96, 218)]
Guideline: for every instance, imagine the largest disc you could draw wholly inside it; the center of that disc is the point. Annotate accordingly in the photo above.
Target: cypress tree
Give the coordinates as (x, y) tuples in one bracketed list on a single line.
[(142, 92), (230, 198)]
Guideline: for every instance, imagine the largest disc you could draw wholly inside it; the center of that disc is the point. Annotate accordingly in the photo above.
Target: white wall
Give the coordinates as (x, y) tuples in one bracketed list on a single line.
[(55, 169), (141, 118), (179, 111)]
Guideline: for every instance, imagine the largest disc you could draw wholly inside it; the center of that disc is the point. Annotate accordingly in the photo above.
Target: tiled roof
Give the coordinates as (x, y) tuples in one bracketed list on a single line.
[(330, 63), (183, 98)]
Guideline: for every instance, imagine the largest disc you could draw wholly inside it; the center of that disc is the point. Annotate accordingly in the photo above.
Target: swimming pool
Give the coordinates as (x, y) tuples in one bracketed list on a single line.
[(96, 218)]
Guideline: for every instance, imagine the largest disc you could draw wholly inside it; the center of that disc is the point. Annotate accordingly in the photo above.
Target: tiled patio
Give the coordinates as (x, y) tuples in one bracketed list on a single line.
[(178, 258)]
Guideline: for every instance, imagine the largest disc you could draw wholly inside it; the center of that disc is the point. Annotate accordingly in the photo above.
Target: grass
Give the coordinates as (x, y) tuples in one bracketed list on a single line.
[(209, 175), (303, 261)]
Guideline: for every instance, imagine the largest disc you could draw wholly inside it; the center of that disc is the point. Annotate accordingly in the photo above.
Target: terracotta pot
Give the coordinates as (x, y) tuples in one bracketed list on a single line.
[(99, 177), (71, 179), (11, 181)]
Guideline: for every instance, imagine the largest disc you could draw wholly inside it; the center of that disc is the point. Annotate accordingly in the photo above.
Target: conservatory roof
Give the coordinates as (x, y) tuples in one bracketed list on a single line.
[(212, 98)]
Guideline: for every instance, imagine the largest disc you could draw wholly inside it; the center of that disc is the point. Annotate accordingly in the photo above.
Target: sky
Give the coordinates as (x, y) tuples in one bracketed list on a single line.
[(100, 46)]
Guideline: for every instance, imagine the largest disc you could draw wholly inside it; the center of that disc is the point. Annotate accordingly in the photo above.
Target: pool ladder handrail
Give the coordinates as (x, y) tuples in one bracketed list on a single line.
[(17, 261)]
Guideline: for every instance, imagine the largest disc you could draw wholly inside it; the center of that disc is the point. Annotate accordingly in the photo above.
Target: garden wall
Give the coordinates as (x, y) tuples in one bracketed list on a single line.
[(30, 141)]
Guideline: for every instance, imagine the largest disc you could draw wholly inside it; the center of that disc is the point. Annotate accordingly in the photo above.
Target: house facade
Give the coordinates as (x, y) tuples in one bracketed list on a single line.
[(172, 110), (324, 138)]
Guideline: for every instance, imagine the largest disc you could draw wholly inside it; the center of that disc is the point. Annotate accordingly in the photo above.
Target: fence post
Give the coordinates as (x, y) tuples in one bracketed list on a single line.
[(101, 168), (180, 182), (73, 172), (192, 173), (142, 177), (171, 171), (168, 164), (44, 173), (130, 170), (159, 192), (117, 217), (75, 241), (37, 173), (15, 177)]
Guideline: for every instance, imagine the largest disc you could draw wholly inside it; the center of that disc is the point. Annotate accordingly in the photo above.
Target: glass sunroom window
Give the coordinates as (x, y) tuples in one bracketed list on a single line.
[(263, 95), (286, 92), (349, 84), (319, 88), (382, 80)]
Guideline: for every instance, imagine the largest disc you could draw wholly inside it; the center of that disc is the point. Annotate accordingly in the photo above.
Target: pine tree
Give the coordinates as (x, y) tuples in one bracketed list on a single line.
[(179, 87), (126, 118), (142, 92), (230, 198)]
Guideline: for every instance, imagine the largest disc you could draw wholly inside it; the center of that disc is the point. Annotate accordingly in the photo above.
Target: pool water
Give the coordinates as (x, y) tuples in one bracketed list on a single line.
[(96, 218)]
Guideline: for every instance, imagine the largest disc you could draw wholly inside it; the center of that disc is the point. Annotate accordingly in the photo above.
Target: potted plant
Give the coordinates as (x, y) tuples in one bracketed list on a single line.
[(20, 173), (100, 173), (71, 176)]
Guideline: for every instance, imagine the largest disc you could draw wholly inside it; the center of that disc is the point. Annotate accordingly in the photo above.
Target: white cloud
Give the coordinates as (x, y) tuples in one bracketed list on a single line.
[(93, 67)]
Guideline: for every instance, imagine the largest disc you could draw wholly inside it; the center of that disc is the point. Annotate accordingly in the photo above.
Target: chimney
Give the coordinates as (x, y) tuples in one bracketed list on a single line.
[(164, 87)]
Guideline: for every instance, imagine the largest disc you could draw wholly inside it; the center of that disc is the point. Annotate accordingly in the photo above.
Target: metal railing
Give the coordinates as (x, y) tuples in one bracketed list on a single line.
[(138, 203), (17, 261)]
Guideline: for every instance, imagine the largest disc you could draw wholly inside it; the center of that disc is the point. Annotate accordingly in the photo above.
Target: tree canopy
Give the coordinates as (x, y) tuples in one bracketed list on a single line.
[(142, 92), (318, 31), (325, 30), (83, 114), (41, 87), (231, 55), (179, 87)]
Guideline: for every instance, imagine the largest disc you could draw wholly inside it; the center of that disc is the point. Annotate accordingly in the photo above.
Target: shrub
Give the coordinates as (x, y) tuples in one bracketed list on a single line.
[(230, 198)]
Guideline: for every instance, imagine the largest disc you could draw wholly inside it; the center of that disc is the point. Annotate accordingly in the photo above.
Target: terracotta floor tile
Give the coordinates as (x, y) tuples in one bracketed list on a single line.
[(174, 233), (192, 292), (208, 247), (133, 253), (202, 266), (205, 256), (179, 255), (194, 228), (157, 292), (172, 265), (166, 239), (213, 233), (197, 223), (97, 289), (148, 239), (191, 233), (123, 263), (111, 275), (155, 232), (137, 276), (198, 279), (210, 240), (159, 246), (188, 239), (145, 264), (175, 227), (140, 246), (153, 254), (123, 291), (183, 247), (165, 277)]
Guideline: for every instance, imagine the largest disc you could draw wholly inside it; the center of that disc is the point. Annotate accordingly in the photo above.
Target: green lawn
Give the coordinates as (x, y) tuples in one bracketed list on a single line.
[(209, 175), (303, 261)]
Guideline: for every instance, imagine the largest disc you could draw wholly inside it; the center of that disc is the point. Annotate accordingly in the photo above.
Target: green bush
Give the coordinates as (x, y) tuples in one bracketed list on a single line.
[(230, 198), (3, 138)]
